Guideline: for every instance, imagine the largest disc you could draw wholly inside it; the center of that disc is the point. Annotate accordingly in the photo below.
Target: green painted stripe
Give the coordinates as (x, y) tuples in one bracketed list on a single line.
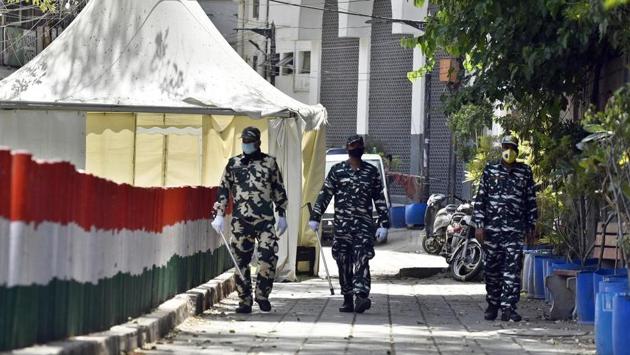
[(39, 314)]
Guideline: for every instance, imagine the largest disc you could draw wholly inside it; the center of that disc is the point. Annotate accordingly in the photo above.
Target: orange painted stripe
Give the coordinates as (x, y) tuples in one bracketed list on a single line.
[(32, 191)]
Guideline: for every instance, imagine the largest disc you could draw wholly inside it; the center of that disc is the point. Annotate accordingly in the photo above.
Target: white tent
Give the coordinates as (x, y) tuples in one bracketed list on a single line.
[(142, 59)]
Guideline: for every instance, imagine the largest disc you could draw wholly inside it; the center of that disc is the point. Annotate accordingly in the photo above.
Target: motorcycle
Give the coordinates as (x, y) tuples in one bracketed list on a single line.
[(466, 259), (437, 218)]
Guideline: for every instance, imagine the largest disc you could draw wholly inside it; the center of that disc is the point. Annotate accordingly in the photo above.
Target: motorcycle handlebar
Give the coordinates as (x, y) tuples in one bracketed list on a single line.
[(460, 199)]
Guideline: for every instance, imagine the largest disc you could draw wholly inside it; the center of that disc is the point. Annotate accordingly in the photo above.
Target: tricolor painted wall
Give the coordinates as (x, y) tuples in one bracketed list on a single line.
[(80, 253)]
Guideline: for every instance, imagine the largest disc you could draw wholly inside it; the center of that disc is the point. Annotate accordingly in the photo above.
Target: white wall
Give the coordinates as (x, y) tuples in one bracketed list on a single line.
[(46, 134)]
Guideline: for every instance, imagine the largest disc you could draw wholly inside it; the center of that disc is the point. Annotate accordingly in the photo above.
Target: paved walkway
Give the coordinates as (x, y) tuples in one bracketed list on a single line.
[(408, 316)]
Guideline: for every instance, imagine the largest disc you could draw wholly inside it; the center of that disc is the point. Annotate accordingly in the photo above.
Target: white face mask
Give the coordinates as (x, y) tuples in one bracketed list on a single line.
[(249, 148)]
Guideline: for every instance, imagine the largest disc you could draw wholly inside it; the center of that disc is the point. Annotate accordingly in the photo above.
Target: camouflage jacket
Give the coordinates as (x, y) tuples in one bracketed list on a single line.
[(506, 199), (255, 183), (353, 192)]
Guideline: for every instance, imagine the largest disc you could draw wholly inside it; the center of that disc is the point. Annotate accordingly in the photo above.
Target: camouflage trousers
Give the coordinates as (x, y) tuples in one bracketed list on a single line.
[(503, 261), (243, 243), (352, 255)]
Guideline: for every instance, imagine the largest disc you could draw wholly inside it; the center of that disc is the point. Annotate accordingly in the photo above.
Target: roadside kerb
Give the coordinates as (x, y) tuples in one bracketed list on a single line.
[(144, 329)]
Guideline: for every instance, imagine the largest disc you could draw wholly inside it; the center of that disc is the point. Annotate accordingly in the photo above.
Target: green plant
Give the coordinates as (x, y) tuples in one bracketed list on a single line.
[(487, 151), (467, 125), (624, 243), (576, 208), (547, 202), (607, 151)]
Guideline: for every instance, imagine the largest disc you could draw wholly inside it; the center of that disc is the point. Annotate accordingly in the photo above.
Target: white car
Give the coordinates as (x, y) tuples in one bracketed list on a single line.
[(334, 156)]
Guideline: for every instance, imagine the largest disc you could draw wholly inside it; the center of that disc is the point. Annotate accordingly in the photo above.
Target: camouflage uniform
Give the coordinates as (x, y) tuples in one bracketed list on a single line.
[(255, 183), (353, 242), (505, 206)]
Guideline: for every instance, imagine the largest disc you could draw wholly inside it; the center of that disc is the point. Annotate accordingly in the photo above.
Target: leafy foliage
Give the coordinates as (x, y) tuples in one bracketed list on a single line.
[(607, 151), (44, 5), (532, 56), (487, 151), (467, 125)]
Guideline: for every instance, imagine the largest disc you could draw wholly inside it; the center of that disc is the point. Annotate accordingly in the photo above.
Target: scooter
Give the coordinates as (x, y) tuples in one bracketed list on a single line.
[(437, 218)]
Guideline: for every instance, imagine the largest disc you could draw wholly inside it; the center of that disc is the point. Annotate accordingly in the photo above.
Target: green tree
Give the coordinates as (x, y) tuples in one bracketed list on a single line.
[(537, 58)]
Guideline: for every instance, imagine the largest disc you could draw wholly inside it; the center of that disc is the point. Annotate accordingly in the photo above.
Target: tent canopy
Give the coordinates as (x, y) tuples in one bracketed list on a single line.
[(147, 56), (164, 57)]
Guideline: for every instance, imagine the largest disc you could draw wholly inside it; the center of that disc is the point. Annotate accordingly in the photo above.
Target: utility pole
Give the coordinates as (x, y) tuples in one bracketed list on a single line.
[(272, 53), (270, 35)]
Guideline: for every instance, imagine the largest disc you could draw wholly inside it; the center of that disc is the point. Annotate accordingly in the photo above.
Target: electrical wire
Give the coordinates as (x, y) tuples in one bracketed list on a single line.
[(12, 44), (417, 23)]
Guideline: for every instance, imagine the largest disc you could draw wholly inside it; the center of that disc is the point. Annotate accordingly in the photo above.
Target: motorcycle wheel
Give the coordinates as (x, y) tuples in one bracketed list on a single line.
[(432, 245), (469, 268)]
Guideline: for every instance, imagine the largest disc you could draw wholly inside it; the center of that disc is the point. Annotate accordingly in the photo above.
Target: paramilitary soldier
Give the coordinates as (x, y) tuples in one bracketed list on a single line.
[(354, 185), (505, 210), (255, 182)]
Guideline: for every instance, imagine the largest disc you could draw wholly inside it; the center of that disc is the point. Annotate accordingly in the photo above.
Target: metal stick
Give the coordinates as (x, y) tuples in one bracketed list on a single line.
[(323, 257), (227, 245)]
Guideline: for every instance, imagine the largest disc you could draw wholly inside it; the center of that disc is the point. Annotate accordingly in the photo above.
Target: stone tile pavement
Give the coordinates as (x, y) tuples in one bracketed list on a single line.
[(408, 316)]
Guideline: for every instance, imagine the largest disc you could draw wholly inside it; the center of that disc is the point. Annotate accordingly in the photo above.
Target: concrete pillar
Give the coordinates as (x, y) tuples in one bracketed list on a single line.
[(316, 70), (363, 91), (417, 116)]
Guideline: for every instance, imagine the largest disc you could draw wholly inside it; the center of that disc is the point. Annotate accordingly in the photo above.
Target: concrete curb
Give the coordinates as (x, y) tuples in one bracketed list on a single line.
[(145, 329)]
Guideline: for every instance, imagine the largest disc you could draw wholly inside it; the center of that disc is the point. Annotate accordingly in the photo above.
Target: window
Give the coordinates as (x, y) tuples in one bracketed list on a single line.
[(256, 8), (286, 63), (255, 63), (304, 58)]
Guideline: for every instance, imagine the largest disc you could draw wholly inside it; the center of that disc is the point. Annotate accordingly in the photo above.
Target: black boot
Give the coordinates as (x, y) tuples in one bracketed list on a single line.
[(348, 304), (491, 312), (363, 303), (244, 308), (510, 315), (264, 305)]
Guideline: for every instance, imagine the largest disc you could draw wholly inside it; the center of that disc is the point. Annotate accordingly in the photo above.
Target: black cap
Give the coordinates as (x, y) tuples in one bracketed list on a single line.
[(251, 134), (510, 140), (354, 139)]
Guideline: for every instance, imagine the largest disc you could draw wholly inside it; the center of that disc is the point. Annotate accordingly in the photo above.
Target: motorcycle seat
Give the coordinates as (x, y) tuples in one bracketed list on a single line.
[(451, 208)]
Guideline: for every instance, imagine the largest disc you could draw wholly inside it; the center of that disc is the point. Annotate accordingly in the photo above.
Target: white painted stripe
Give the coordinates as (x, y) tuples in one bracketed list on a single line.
[(37, 254), (4, 248)]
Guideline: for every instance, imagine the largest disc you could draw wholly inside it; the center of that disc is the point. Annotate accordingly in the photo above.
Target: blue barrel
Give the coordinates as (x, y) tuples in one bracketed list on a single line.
[(599, 275), (585, 298), (539, 277), (621, 324), (398, 216), (547, 270), (414, 214), (527, 284), (608, 288)]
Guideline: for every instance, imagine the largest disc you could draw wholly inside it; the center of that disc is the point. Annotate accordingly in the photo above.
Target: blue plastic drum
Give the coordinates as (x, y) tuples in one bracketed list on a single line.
[(608, 288), (414, 214), (621, 324), (539, 276), (527, 284), (585, 298), (398, 217), (599, 275)]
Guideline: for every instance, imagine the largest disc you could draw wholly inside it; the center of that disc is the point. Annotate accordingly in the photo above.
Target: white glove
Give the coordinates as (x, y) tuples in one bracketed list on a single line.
[(218, 224), (313, 225), (281, 226), (381, 234)]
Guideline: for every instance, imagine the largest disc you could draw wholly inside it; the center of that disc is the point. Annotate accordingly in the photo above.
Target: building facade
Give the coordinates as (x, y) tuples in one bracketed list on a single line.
[(356, 67)]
